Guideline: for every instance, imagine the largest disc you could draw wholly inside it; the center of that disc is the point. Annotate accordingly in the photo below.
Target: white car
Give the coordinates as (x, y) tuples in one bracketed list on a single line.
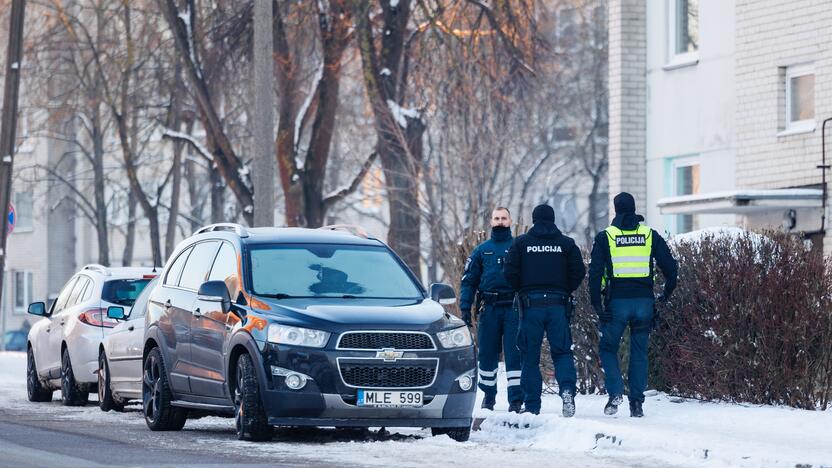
[(62, 349), (120, 355)]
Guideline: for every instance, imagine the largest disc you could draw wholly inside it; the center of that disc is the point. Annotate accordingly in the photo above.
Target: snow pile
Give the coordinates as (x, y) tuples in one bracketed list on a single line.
[(674, 431), (401, 114)]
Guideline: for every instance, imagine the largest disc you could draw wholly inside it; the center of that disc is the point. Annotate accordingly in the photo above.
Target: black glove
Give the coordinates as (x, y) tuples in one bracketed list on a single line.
[(466, 317), (604, 314)]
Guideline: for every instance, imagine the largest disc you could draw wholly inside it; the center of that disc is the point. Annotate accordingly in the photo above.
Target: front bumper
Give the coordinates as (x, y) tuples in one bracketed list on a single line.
[(326, 400)]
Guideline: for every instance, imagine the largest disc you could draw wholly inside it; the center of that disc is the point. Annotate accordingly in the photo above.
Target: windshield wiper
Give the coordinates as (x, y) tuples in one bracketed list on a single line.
[(277, 296), (349, 296)]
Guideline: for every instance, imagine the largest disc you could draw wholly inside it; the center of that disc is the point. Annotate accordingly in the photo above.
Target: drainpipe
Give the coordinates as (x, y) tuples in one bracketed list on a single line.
[(823, 167)]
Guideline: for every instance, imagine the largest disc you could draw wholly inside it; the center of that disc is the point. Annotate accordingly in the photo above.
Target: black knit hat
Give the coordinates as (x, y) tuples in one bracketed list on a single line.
[(543, 213), (624, 203)]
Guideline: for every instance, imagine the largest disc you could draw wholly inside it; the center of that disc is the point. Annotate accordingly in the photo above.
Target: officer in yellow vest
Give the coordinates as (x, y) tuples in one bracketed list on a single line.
[(621, 292)]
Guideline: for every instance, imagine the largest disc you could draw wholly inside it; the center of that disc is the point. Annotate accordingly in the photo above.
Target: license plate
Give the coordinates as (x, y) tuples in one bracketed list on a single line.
[(390, 399)]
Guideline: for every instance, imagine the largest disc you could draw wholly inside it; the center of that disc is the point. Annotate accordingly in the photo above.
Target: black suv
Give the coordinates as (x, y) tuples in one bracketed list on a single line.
[(302, 327)]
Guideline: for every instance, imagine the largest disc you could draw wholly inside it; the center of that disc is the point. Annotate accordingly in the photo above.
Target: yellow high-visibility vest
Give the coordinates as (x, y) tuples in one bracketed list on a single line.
[(630, 251)]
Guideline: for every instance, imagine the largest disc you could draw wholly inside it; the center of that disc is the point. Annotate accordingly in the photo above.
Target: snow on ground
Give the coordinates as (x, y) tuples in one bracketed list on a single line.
[(674, 432)]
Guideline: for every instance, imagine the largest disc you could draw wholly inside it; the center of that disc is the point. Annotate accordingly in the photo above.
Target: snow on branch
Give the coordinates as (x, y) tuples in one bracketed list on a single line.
[(306, 104), (173, 134), (401, 114)]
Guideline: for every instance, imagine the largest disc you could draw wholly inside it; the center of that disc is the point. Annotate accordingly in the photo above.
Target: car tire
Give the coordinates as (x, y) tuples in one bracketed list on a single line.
[(72, 393), (249, 414), (35, 390), (106, 401), (156, 396), (459, 434)]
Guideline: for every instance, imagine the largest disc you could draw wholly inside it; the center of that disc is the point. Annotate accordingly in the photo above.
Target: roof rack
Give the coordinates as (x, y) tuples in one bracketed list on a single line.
[(237, 228), (350, 228), (99, 268)]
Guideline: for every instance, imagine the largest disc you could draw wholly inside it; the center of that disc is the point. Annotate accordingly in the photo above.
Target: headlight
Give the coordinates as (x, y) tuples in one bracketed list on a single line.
[(456, 338), (296, 336)]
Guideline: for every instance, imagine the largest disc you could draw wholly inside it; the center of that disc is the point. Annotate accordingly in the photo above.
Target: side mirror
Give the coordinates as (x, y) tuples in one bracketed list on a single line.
[(115, 312), (215, 291), (442, 293), (37, 308)]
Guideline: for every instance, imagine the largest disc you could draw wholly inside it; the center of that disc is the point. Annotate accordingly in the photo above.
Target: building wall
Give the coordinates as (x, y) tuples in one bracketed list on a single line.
[(776, 34), (628, 98), (690, 108)]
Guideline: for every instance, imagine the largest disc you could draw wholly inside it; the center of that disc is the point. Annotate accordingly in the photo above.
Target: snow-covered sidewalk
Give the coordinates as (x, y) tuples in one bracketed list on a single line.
[(674, 432)]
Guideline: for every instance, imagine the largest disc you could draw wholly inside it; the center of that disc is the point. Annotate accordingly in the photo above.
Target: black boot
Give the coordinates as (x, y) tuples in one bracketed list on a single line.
[(568, 398), (529, 411), (488, 403), (515, 406), (612, 404), (635, 409)]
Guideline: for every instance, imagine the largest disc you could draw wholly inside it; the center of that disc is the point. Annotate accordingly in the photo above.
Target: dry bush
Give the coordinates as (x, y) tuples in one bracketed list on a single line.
[(750, 321)]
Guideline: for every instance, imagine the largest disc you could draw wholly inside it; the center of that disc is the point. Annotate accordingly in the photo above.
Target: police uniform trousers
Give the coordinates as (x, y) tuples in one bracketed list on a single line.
[(497, 331), (637, 313), (542, 316)]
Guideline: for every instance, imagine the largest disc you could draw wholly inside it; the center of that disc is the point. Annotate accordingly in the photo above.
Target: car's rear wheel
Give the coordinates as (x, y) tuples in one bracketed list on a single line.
[(156, 396), (72, 393), (459, 434), (249, 414), (106, 401), (34, 388)]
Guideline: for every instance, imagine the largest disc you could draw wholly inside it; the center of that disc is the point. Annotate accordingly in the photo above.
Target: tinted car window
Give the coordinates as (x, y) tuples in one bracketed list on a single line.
[(172, 277), (321, 270), (225, 268), (124, 291), (60, 302), (140, 306), (196, 268)]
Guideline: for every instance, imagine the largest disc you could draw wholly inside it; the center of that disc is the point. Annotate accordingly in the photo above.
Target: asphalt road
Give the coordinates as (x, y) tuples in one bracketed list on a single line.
[(29, 439)]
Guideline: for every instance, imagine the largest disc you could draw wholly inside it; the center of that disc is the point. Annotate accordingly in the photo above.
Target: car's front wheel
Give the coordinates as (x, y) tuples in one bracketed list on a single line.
[(72, 393), (156, 396), (106, 400), (34, 388), (249, 415), (459, 434)]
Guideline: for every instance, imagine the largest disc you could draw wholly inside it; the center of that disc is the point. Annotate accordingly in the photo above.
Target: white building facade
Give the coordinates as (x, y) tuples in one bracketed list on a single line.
[(716, 111)]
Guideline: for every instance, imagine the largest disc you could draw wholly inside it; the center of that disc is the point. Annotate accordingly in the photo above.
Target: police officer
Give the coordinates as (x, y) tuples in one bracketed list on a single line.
[(497, 320), (622, 266), (545, 267)]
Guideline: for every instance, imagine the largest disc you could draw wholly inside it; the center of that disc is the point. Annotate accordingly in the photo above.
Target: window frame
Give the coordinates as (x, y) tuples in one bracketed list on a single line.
[(28, 279), (29, 212), (681, 164), (805, 125), (678, 59), (186, 252)]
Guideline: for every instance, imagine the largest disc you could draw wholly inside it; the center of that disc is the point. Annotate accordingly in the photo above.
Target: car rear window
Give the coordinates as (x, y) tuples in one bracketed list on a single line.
[(124, 291)]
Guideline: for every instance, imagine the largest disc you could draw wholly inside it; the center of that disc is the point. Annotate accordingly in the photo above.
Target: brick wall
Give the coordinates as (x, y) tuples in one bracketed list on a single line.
[(772, 35), (628, 99)]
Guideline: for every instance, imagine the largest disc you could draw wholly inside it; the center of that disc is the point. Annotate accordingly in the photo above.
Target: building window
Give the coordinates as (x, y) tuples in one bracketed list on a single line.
[(687, 183), (23, 207), (22, 288), (683, 22), (800, 98)]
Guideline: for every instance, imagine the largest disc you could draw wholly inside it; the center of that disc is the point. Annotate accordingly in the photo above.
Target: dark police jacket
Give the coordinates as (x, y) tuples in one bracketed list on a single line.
[(544, 260), (484, 269), (623, 288)]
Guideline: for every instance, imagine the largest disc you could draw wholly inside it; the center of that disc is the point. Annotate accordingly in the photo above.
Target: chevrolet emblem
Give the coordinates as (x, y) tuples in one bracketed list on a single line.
[(389, 354)]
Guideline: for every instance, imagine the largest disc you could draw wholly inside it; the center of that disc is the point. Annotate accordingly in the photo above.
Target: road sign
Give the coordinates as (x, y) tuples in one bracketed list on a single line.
[(12, 218)]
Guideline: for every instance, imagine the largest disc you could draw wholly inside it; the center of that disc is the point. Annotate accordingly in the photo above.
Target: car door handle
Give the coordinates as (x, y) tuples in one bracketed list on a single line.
[(168, 305), (197, 313), (131, 328)]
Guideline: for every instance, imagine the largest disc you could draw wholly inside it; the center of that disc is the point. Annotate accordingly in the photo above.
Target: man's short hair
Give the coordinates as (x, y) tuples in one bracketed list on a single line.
[(502, 208)]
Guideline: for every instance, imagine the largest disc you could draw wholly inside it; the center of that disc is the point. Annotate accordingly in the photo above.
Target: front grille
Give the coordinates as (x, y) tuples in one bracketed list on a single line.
[(388, 376), (377, 340)]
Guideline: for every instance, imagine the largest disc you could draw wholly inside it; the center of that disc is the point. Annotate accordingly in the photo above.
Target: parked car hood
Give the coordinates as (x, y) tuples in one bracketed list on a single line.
[(373, 312)]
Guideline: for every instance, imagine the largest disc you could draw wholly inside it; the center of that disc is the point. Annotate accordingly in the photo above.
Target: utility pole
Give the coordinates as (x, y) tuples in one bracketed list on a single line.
[(262, 176), (8, 126)]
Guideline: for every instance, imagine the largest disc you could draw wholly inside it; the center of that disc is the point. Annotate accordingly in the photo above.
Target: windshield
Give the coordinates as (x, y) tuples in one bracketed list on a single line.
[(325, 270), (123, 292)]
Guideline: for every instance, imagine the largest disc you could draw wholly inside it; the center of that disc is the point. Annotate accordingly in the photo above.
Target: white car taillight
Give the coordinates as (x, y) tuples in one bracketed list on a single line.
[(97, 318)]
